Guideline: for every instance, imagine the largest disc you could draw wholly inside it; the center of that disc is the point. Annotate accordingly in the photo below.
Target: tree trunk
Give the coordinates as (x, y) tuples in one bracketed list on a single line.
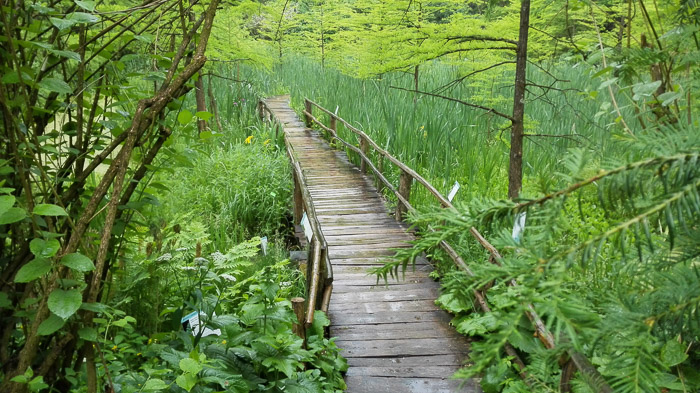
[(201, 102), (515, 171)]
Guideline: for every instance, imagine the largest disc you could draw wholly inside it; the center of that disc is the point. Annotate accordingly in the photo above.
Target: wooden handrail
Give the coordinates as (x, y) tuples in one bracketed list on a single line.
[(319, 276), (595, 379)]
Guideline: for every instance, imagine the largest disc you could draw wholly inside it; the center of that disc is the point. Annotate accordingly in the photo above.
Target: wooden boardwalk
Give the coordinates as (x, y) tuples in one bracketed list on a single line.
[(394, 336)]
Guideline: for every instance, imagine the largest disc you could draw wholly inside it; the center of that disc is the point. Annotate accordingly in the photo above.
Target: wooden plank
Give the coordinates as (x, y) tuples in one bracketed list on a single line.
[(407, 361), (366, 384), (394, 331), (385, 296), (384, 307), (401, 347), (417, 371), (344, 318)]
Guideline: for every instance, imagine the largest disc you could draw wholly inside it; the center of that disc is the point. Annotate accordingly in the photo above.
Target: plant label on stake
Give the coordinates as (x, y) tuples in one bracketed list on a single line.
[(453, 191), (306, 225), (519, 226), (263, 244), (191, 320)]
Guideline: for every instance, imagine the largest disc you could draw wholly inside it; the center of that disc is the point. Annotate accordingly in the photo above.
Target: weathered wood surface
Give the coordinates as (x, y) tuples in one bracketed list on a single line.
[(394, 336)]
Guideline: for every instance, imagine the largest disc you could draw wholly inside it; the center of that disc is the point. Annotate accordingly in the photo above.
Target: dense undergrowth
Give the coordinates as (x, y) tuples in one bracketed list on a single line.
[(610, 265)]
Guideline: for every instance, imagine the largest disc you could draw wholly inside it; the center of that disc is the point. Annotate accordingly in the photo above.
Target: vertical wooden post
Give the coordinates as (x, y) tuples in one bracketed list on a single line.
[(261, 113), (380, 168), (298, 326), (298, 201), (364, 147), (309, 109), (405, 182), (334, 124)]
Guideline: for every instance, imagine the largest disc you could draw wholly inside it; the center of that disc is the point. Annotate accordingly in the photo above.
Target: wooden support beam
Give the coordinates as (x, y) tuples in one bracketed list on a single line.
[(364, 146), (298, 326), (307, 117)]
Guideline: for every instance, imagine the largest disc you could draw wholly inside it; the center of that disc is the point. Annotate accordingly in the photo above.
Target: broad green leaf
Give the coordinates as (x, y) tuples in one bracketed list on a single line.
[(190, 365), (33, 270), (668, 97), (61, 23), (46, 209), (83, 17), (37, 384), (184, 117), (204, 115), (86, 5), (642, 90), (65, 303), (77, 261), (154, 385), (50, 325), (186, 381), (6, 202), (673, 353), (12, 215), (56, 85), (88, 334), (10, 77), (44, 248)]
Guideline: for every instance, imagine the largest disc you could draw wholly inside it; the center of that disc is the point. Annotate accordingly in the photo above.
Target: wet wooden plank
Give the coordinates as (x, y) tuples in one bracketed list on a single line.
[(345, 318)]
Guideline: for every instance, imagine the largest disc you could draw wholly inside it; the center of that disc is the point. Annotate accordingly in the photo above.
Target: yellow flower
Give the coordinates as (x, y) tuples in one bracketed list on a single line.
[(114, 348), (266, 142), (248, 139), (138, 354), (150, 340), (224, 342)]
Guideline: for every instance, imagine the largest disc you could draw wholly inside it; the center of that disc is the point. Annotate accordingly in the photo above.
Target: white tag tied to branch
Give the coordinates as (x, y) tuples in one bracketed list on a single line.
[(306, 225), (519, 226), (263, 244), (453, 191)]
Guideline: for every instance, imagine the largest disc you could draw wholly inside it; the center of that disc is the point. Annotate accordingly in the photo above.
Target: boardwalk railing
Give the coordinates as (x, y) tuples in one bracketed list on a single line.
[(319, 272), (402, 192)]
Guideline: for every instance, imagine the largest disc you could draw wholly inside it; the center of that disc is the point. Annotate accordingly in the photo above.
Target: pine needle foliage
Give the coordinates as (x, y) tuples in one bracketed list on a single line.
[(610, 262)]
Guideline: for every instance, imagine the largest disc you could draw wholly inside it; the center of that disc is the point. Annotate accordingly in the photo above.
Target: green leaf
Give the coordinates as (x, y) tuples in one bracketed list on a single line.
[(644, 89), (46, 209), (10, 78), (88, 334), (44, 248), (86, 5), (56, 85), (12, 215), (6, 202), (204, 115), (77, 261), (5, 300), (184, 117), (154, 385), (37, 384), (62, 24), (65, 303), (83, 17), (668, 97), (673, 353), (186, 381), (50, 325), (190, 365), (33, 270)]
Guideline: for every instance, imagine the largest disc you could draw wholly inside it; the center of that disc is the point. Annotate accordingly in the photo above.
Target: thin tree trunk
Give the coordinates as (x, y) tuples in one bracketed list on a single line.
[(515, 170)]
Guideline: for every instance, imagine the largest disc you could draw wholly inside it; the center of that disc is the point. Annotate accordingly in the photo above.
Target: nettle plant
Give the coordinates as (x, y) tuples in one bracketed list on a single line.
[(244, 340)]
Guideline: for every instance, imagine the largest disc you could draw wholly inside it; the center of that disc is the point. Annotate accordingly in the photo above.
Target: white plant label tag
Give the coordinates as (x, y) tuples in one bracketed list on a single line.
[(519, 226), (306, 225), (263, 244), (192, 319), (453, 191)]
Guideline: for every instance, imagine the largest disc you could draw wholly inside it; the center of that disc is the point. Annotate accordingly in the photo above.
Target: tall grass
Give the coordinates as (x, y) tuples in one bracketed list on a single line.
[(447, 141)]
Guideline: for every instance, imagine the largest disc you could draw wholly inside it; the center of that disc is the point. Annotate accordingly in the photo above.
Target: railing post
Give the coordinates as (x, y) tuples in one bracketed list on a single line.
[(261, 111), (364, 147), (405, 181), (298, 200), (380, 168), (308, 109), (298, 326)]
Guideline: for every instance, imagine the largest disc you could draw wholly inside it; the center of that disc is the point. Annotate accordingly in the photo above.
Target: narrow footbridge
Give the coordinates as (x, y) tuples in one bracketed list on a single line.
[(394, 336)]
